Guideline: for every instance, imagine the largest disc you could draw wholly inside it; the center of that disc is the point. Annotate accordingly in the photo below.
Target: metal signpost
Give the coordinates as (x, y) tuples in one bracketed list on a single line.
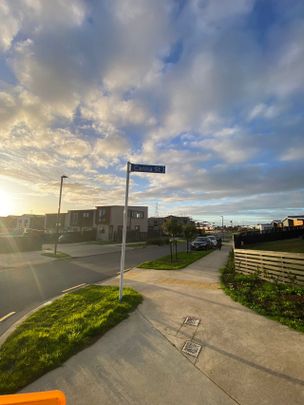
[(58, 214), (132, 167)]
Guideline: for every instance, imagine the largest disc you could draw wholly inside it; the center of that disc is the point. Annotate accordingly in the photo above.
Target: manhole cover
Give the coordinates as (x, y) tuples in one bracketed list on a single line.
[(189, 320), (191, 348)]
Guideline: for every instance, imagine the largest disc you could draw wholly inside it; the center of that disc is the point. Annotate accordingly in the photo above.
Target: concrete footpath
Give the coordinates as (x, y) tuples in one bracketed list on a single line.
[(244, 358)]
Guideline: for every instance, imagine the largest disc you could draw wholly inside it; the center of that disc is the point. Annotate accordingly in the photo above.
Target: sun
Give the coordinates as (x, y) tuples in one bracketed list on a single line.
[(6, 203)]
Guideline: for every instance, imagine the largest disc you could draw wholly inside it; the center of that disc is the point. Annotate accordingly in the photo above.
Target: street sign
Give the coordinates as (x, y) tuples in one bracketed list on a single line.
[(147, 168), (132, 167)]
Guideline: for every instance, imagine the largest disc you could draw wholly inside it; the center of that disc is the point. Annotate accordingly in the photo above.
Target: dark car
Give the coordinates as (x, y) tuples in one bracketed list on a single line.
[(201, 243)]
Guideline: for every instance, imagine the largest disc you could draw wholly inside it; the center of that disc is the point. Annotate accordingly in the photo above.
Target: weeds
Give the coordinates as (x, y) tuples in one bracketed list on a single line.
[(281, 302)]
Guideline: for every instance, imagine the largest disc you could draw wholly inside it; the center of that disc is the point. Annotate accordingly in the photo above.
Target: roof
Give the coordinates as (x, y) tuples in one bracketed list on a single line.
[(293, 217), (85, 210), (121, 206)]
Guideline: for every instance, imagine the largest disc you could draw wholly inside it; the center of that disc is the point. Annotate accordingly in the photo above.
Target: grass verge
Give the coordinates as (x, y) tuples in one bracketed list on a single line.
[(287, 245), (58, 255), (280, 302), (56, 332), (183, 260)]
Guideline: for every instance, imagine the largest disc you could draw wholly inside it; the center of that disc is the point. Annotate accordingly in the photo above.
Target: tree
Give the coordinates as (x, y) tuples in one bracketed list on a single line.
[(173, 228), (189, 232)]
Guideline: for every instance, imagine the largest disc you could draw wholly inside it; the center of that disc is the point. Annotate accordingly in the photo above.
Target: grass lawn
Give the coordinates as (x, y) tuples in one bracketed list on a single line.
[(280, 302), (59, 255), (57, 331), (183, 260), (287, 245)]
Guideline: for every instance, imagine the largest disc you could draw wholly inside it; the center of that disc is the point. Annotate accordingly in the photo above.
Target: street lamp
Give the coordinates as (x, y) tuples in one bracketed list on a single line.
[(58, 214), (222, 222)]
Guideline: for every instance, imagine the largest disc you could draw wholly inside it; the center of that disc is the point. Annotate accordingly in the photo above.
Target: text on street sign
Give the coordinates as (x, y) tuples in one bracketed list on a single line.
[(147, 168)]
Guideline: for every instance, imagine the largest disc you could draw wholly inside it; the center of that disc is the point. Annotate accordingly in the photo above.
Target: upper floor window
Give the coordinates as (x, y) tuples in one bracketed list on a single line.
[(74, 218), (101, 213), (136, 214)]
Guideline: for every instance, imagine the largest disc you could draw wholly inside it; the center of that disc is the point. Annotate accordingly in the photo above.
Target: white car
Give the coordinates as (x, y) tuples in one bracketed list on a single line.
[(213, 240)]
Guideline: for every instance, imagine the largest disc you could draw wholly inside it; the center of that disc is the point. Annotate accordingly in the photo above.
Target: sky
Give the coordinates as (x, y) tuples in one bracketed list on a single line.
[(212, 89)]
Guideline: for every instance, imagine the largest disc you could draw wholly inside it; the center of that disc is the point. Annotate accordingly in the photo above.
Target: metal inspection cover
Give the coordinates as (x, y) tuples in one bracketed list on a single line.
[(189, 320), (191, 348)]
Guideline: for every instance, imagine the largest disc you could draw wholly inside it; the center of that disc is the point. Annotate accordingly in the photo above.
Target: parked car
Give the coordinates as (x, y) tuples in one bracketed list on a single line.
[(201, 243), (213, 240)]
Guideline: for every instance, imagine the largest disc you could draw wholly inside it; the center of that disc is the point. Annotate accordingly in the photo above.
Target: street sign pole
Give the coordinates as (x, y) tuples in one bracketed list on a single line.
[(131, 167), (124, 233)]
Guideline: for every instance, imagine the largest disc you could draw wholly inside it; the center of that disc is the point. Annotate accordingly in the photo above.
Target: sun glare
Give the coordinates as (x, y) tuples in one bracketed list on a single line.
[(6, 203)]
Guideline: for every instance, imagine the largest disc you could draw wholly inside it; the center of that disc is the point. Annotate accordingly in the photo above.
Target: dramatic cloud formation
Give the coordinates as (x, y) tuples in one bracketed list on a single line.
[(212, 89)]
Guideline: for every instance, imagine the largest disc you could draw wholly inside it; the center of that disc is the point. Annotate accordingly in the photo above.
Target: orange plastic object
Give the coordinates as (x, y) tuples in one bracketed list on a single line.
[(34, 398)]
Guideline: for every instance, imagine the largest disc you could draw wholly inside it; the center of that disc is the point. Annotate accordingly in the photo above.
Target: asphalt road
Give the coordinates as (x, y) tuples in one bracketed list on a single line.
[(22, 289)]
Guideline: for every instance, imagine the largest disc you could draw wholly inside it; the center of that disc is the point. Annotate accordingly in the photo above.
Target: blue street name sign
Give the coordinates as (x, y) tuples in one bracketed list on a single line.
[(147, 168)]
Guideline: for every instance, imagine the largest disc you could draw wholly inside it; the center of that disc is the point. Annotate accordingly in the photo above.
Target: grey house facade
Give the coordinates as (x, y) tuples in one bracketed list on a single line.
[(109, 222), (80, 220)]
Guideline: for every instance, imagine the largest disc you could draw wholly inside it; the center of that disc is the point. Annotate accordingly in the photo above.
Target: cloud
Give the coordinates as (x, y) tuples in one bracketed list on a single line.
[(293, 154), (110, 147), (9, 26), (205, 87), (264, 111)]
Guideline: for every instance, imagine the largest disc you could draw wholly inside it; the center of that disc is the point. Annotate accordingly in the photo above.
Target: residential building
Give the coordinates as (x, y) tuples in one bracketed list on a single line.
[(8, 224), (293, 221), (50, 221), (26, 221), (80, 220), (109, 221), (155, 224), (277, 224), (204, 226), (264, 227)]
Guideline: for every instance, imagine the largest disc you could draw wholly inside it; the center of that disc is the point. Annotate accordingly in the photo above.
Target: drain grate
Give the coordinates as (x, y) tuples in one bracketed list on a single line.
[(189, 320), (191, 348)]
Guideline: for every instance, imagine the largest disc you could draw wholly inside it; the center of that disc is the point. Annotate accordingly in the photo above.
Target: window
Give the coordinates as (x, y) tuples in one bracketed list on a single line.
[(136, 214), (74, 218), (86, 215), (101, 213)]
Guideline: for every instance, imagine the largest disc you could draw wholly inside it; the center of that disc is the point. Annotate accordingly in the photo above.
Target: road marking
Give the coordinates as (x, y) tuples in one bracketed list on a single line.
[(74, 288), (7, 316)]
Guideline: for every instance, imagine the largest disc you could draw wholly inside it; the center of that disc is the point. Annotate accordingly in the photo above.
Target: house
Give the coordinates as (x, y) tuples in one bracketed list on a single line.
[(8, 224), (26, 221), (264, 227), (80, 220), (109, 221), (204, 226), (293, 221), (50, 221), (276, 224), (155, 224)]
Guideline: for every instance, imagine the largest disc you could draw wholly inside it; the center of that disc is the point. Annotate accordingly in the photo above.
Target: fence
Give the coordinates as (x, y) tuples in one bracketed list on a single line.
[(280, 266), (13, 244), (247, 238)]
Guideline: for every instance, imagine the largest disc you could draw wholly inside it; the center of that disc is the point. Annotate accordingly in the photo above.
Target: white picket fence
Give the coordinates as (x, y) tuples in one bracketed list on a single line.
[(269, 265)]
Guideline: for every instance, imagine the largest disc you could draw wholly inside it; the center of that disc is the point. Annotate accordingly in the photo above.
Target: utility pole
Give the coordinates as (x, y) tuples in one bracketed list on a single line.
[(58, 215)]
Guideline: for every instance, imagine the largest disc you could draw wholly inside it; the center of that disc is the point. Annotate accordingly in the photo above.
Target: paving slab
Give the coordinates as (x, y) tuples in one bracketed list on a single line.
[(132, 364)]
